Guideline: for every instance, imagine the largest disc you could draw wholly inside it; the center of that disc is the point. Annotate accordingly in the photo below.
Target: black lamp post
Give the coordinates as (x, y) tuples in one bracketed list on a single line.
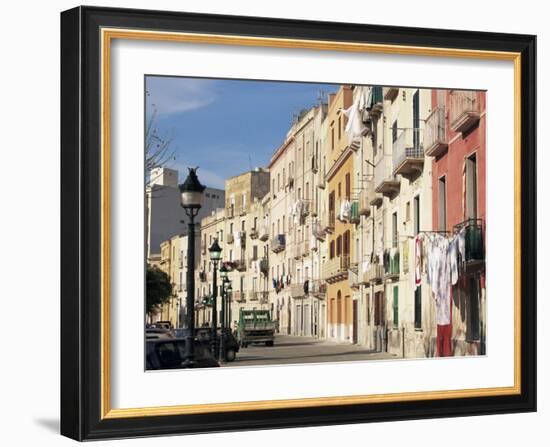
[(228, 291), (215, 256), (225, 280), (191, 194)]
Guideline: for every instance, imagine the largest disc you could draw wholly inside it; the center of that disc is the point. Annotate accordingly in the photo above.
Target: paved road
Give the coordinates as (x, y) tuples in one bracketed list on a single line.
[(290, 349)]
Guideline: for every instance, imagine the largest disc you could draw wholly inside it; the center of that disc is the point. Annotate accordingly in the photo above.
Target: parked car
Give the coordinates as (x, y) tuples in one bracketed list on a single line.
[(153, 333), (170, 354), (203, 336), (231, 345), (162, 325)]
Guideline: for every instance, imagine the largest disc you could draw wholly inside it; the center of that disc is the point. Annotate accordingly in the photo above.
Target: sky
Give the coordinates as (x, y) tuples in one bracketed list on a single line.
[(225, 127)]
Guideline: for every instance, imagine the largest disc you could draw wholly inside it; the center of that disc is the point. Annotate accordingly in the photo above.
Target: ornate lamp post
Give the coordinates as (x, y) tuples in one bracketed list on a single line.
[(228, 291), (191, 195), (215, 256), (225, 280)]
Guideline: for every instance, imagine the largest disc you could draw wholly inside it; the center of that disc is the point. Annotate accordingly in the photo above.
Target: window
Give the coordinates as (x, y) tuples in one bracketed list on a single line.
[(255, 223), (396, 306), (231, 228), (394, 132), (348, 186), (284, 177), (442, 204), (244, 200), (418, 307), (339, 190), (273, 187), (332, 138), (408, 211), (278, 182), (243, 224), (254, 280), (231, 255), (306, 195), (255, 252), (471, 187), (221, 235), (331, 254), (339, 128)]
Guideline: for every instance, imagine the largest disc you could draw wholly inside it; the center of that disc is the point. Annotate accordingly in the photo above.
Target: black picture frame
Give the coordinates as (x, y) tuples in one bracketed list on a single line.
[(81, 223)]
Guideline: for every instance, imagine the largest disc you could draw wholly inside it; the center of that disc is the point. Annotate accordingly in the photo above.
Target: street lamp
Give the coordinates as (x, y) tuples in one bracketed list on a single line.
[(191, 192), (228, 291), (223, 274), (215, 256)]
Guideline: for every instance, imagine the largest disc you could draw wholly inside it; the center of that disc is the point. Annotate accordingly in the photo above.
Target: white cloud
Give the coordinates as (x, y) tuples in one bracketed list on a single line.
[(177, 95)]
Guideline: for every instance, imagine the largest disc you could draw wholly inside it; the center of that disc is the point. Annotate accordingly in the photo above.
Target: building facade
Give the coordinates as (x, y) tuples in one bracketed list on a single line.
[(457, 144)]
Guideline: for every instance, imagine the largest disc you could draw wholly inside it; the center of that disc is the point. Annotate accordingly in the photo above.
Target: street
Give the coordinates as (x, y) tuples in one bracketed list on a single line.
[(291, 349)]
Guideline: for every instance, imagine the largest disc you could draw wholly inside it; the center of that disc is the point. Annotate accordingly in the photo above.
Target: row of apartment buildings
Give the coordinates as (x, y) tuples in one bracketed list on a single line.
[(340, 233)]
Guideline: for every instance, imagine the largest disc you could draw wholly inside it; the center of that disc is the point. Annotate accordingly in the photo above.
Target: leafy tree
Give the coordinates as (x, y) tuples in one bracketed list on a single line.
[(159, 288)]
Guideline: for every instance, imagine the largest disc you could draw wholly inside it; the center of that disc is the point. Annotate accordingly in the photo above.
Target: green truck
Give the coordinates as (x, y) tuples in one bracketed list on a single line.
[(255, 326)]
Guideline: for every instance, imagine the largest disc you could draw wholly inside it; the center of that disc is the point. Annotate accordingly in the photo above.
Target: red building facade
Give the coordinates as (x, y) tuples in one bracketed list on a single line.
[(456, 138)]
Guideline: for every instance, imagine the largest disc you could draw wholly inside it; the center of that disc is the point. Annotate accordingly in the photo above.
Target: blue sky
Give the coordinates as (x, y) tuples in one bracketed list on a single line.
[(225, 126)]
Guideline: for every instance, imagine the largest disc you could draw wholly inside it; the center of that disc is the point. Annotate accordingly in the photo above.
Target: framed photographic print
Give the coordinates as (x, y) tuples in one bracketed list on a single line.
[(275, 223)]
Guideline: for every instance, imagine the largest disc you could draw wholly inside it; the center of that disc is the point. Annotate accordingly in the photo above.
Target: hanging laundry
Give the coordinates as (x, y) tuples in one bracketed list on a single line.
[(345, 210), (417, 260), (354, 127), (453, 260)]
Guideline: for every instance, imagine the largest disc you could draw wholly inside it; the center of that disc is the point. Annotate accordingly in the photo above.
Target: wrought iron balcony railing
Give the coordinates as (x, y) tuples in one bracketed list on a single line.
[(408, 154), (435, 137)]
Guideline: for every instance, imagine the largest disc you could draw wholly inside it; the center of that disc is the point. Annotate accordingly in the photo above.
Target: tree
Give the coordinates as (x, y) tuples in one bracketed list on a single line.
[(159, 288)]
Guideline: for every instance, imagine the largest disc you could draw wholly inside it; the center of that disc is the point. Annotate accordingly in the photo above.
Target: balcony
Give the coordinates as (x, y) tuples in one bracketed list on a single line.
[(435, 137), (239, 296), (297, 290), (473, 238), (465, 110), (253, 233), (353, 277), (264, 266), (278, 243), (373, 275), (239, 265), (318, 288), (263, 234), (335, 269), (391, 93), (364, 200), (391, 264), (260, 297), (355, 217), (376, 106), (408, 154), (385, 182)]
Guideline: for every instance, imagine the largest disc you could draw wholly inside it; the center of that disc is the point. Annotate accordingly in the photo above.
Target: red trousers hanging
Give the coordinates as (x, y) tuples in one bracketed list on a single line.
[(443, 340)]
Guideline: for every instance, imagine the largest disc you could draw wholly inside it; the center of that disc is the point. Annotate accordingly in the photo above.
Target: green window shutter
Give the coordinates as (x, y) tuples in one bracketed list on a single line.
[(396, 306)]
